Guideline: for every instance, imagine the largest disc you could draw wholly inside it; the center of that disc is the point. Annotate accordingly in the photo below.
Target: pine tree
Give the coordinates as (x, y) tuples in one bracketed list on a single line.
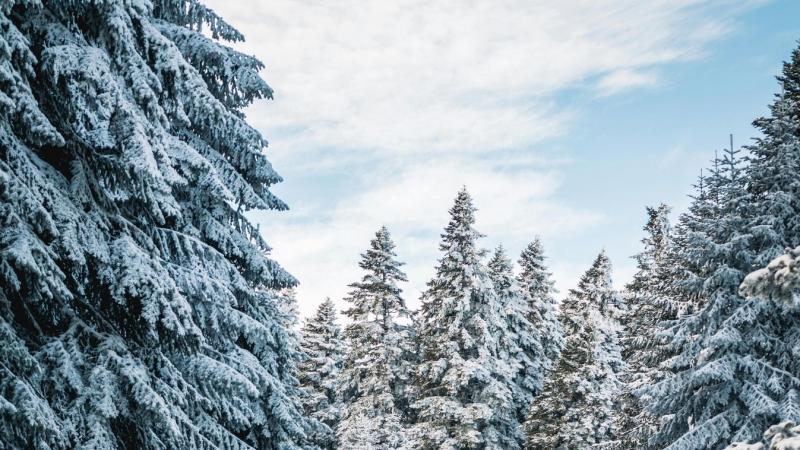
[(734, 373), (576, 408), (463, 382), (521, 344), (376, 373), (324, 348), (139, 308), (650, 310), (774, 207), (538, 289), (720, 380)]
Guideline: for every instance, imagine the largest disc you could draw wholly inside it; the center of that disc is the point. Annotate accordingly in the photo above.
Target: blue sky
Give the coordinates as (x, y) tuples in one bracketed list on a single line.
[(563, 118)]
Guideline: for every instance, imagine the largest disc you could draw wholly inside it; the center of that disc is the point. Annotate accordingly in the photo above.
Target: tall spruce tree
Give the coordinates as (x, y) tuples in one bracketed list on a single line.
[(376, 374), (521, 345), (734, 373), (774, 206), (537, 288), (139, 308), (721, 383), (323, 347), (464, 383), (649, 310), (576, 408)]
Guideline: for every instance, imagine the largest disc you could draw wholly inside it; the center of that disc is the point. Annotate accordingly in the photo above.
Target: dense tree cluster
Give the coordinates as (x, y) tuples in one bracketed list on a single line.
[(694, 353)]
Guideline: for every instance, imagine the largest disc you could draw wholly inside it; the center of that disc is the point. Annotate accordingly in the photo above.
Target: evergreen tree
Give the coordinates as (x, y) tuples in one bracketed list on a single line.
[(324, 348), (463, 381), (734, 370), (521, 344), (139, 308), (538, 289), (720, 380), (650, 309), (375, 373), (576, 408)]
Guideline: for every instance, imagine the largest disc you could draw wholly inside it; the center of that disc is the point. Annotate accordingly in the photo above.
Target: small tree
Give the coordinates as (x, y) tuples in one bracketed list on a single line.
[(520, 343), (323, 349), (376, 373), (575, 411)]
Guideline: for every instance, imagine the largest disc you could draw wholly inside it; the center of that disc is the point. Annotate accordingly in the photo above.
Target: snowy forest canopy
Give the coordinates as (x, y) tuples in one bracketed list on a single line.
[(140, 309)]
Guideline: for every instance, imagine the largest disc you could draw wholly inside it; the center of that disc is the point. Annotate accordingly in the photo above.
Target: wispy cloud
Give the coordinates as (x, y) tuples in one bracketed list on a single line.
[(622, 79), (428, 95)]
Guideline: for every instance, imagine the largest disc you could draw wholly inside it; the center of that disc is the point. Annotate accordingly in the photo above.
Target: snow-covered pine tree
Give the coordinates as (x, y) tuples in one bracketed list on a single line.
[(375, 373), (775, 204), (323, 349), (537, 287), (521, 343), (735, 373), (464, 385), (722, 383), (139, 308), (576, 408), (649, 310), (774, 222)]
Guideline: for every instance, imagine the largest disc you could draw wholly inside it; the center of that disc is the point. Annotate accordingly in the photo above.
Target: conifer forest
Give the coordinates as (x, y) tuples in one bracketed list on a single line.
[(142, 308)]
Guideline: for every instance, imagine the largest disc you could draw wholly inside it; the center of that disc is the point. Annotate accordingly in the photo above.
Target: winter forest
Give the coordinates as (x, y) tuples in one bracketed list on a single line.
[(140, 308)]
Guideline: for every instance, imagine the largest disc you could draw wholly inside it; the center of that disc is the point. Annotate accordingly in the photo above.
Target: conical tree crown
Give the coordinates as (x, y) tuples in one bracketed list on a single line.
[(538, 290), (500, 270), (533, 276), (378, 292)]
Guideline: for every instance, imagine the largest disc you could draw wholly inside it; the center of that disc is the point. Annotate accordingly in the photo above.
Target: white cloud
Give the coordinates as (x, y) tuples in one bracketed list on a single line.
[(436, 94), (622, 79), (451, 75)]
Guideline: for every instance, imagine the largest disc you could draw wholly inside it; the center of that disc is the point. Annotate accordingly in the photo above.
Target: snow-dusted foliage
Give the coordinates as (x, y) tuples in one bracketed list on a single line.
[(323, 348), (783, 436), (521, 342), (376, 370), (779, 281), (464, 382), (576, 408), (138, 306), (537, 287), (650, 310), (773, 282)]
